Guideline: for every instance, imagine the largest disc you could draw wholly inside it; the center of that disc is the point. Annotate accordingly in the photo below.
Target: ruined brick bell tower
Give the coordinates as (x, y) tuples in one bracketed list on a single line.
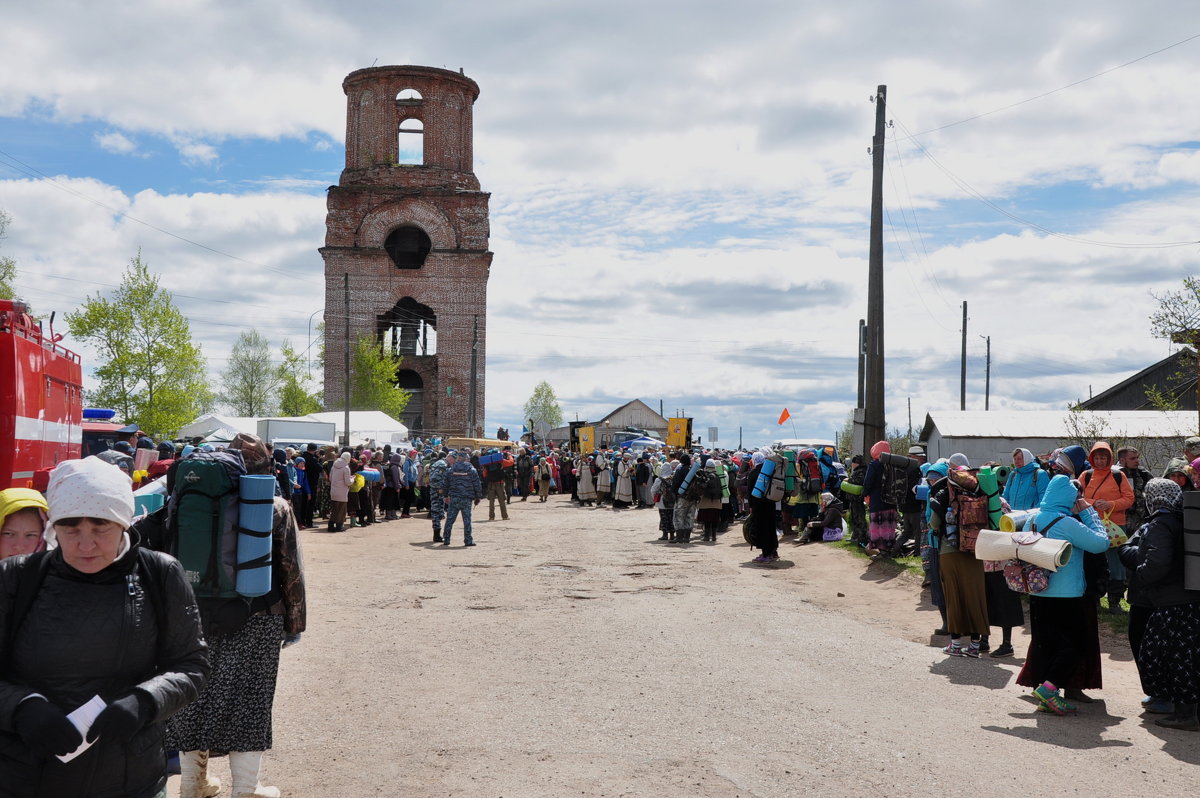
[(408, 230)]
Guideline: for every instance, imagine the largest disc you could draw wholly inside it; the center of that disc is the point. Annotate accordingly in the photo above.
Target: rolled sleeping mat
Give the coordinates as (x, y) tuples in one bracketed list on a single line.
[(370, 474), (996, 546), (687, 478), (146, 503), (256, 516), (789, 474), (922, 491), (851, 488), (1191, 540), (488, 459), (990, 487), (764, 479), (1016, 520)]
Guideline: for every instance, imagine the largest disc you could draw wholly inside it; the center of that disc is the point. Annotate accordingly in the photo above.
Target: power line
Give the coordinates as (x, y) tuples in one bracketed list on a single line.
[(31, 171), (1054, 91), (966, 188)]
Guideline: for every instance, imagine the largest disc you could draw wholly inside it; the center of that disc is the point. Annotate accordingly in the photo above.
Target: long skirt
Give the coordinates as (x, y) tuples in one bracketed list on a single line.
[(1170, 653), (882, 531), (966, 597), (1063, 641), (763, 523), (587, 488), (1004, 606), (234, 711)]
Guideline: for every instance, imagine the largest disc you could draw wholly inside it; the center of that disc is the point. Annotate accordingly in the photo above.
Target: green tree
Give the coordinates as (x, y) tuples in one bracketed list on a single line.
[(149, 370), (294, 397), (542, 406), (1178, 319), (251, 379), (373, 381), (8, 267)]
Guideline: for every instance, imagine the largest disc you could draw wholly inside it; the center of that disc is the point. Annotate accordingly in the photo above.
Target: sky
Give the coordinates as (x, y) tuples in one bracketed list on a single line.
[(680, 192)]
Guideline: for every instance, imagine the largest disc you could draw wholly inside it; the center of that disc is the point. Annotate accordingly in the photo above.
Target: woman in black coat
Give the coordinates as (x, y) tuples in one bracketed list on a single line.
[(96, 616), (763, 517)]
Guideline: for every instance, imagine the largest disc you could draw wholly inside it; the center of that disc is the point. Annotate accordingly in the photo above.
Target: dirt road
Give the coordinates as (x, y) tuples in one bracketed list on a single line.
[(570, 654)]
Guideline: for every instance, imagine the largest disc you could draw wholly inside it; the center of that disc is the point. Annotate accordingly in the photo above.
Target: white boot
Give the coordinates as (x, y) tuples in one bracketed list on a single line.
[(194, 781), (245, 766)]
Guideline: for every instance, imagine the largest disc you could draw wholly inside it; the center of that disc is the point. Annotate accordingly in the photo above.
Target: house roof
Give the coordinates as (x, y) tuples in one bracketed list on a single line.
[(1145, 375), (630, 404), (1057, 424)]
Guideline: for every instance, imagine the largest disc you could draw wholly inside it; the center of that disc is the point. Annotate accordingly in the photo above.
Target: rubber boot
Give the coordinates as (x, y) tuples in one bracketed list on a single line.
[(1184, 718), (194, 781), (245, 766), (1116, 590)]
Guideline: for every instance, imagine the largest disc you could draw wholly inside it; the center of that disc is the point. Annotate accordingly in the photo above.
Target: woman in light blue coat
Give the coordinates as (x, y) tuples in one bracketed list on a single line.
[(1026, 483), (1056, 615)]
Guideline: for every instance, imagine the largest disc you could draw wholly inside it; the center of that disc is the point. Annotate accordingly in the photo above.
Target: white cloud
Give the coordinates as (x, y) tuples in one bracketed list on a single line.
[(117, 143), (631, 145)]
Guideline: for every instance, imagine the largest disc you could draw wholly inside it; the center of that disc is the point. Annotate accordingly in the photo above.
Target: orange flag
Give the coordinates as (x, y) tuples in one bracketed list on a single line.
[(784, 416)]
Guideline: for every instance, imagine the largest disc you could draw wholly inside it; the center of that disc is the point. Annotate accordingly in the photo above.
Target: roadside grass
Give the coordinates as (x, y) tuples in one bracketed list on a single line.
[(1117, 624)]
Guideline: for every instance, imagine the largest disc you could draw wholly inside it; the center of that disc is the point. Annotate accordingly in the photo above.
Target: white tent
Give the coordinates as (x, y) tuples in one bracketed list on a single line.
[(366, 426), (217, 427)]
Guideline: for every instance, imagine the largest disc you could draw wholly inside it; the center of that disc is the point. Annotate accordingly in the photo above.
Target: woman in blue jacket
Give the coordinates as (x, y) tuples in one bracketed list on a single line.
[(1057, 615), (1026, 483)]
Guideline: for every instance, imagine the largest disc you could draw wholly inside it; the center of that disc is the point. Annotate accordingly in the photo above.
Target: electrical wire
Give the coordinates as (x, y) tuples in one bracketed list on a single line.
[(966, 188), (1044, 94), (31, 171)]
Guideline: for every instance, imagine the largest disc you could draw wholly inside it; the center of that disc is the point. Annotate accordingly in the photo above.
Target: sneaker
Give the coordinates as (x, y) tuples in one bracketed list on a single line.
[(762, 559), (1005, 650), (954, 650), (972, 651), (984, 647), (472, 543), (1158, 706), (1052, 701)]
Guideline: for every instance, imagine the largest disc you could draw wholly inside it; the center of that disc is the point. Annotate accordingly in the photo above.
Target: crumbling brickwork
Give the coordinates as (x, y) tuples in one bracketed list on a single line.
[(375, 197)]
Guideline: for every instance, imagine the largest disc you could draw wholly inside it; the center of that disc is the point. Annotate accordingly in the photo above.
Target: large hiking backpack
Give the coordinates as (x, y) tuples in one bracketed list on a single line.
[(808, 470), (202, 521), (900, 475), (970, 515), (701, 485)]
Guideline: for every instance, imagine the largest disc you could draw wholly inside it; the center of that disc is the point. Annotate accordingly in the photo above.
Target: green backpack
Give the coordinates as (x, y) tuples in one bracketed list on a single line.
[(202, 518)]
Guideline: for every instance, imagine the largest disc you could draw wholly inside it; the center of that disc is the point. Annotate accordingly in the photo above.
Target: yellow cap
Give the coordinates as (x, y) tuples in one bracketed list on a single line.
[(15, 499)]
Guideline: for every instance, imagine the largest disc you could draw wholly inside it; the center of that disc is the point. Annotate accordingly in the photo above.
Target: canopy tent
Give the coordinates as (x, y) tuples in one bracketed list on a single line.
[(212, 426), (366, 426)]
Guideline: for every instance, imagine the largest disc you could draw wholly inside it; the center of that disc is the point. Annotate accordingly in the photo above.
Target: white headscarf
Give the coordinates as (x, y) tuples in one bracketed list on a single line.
[(89, 488)]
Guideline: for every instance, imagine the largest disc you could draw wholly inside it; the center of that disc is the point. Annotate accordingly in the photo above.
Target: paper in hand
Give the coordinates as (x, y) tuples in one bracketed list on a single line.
[(82, 719)]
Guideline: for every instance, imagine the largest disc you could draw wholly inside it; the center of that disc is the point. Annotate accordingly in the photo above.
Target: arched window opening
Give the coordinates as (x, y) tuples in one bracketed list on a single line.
[(408, 247), (411, 143), (409, 329), (408, 95), (413, 416)]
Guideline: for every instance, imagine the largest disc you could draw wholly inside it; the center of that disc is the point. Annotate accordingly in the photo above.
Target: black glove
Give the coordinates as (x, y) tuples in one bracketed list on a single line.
[(120, 720), (45, 728)]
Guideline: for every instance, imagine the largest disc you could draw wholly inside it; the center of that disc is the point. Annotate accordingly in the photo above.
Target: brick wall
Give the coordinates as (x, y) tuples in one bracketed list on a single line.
[(442, 197)]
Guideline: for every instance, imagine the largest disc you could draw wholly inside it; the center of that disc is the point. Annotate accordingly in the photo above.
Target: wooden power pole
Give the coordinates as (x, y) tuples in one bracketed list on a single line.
[(874, 427)]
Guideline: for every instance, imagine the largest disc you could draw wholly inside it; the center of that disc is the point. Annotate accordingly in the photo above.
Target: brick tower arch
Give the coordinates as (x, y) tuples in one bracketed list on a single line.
[(441, 196)]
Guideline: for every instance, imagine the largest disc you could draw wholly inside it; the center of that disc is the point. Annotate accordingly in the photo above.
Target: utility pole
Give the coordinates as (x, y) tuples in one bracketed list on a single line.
[(346, 361), (862, 357), (962, 382), (910, 417), (873, 416), (474, 379), (739, 437), (987, 379)]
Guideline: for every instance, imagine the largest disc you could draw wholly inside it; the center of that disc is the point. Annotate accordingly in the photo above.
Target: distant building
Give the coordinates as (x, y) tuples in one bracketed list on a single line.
[(1173, 376), (992, 435), (634, 414)]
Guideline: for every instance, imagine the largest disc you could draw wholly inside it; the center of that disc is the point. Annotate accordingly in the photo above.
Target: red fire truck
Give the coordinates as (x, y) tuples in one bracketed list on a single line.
[(41, 398)]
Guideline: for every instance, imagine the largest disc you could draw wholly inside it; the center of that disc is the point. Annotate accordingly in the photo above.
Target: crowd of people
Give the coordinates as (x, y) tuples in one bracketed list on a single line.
[(97, 617)]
